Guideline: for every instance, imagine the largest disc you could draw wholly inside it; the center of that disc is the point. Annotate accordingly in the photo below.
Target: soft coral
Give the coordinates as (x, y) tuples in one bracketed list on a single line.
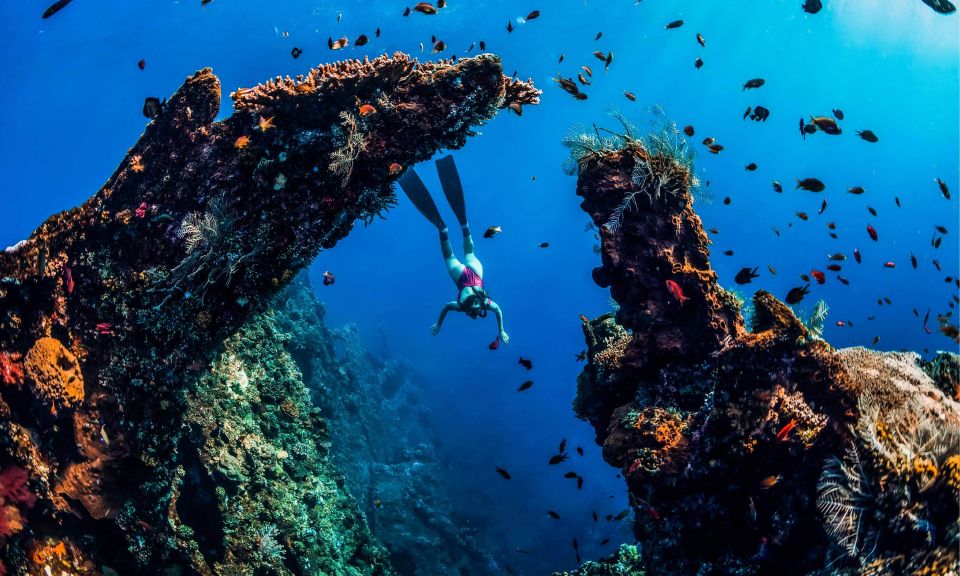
[(13, 493)]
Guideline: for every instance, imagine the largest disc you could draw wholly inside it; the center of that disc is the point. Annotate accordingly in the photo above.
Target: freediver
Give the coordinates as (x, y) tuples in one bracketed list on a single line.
[(472, 299)]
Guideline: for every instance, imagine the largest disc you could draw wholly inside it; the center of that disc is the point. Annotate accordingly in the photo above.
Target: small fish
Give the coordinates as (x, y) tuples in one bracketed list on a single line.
[(811, 184), (760, 114), (142, 64), (394, 169), (424, 8), (241, 142), (804, 277), (556, 459), (54, 8), (367, 110), (771, 269), (439, 46), (361, 40), (492, 231), (676, 291), (152, 106), (913, 260), (936, 264), (328, 278), (483, 46), (597, 37), (265, 124), (700, 40), (296, 52), (715, 148), (688, 130), (525, 363), (338, 44), (576, 549), (769, 482), (747, 113), (608, 60), (785, 431), (558, 61), (509, 26), (746, 275), (823, 207), (777, 187), (377, 34), (580, 450), (889, 264), (583, 80), (570, 475), (502, 472), (674, 24), (802, 215), (543, 245), (630, 96), (872, 210), (837, 113), (516, 108), (845, 282), (943, 188), (856, 190), (728, 252), (533, 15), (525, 386), (812, 6), (872, 232), (698, 63), (834, 268), (941, 229), (495, 344), (553, 514), (826, 124), (406, 12), (818, 276), (754, 83), (750, 167), (795, 295), (868, 135)]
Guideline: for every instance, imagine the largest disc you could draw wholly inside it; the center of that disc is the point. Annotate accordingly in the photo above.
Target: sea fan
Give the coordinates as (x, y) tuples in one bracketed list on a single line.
[(844, 499), (818, 319)]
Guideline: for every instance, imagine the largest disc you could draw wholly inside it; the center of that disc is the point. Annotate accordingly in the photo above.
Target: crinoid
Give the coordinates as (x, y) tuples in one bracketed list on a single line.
[(845, 499)]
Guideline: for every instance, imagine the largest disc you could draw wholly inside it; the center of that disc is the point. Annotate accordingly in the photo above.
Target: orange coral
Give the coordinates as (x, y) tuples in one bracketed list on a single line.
[(55, 372)]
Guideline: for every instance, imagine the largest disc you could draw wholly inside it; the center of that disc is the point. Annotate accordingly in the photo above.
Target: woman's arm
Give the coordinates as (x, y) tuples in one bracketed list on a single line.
[(499, 314), (443, 314)]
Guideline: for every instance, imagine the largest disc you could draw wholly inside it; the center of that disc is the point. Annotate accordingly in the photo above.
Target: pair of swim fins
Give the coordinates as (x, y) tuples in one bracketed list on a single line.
[(417, 192)]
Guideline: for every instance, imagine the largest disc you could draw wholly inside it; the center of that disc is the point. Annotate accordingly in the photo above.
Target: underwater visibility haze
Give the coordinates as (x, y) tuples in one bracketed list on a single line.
[(478, 288)]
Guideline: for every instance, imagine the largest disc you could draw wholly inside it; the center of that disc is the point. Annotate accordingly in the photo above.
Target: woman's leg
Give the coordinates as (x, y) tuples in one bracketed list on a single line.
[(469, 258), (454, 266)]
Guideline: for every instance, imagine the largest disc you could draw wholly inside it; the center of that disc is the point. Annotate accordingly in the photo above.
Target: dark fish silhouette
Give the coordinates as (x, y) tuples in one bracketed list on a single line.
[(502, 472), (812, 6), (867, 135), (745, 275), (54, 8), (525, 386), (553, 514), (795, 295), (152, 106), (556, 459), (754, 83), (674, 24), (525, 363), (811, 184), (837, 113)]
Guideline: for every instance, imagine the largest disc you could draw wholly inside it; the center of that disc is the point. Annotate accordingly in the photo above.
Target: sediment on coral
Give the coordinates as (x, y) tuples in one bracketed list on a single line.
[(760, 452), (132, 295), (383, 440)]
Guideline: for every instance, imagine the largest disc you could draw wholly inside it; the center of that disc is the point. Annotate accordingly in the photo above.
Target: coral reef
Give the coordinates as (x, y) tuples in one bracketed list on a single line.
[(760, 451), (625, 561), (384, 442), (112, 312)]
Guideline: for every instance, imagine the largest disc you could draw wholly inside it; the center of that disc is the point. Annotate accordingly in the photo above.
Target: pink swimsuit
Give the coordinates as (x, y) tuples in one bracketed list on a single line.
[(469, 278)]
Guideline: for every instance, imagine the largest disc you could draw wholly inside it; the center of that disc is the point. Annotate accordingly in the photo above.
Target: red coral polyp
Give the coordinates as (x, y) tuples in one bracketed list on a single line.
[(11, 368)]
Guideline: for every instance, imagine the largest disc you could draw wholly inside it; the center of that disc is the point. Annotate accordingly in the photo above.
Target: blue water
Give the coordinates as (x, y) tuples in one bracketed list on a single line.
[(71, 104)]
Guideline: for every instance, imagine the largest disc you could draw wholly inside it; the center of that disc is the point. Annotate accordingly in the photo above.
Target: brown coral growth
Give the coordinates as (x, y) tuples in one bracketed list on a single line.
[(55, 372)]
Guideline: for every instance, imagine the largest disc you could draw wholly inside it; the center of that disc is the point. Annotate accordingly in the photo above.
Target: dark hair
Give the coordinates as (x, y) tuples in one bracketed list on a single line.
[(479, 295)]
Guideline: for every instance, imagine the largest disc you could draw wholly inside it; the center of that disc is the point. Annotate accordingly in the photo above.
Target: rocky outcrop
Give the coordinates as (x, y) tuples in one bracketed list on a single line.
[(384, 441), (760, 451), (111, 313)]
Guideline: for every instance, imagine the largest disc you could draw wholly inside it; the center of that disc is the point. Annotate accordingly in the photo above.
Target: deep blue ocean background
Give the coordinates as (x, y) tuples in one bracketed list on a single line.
[(71, 107)]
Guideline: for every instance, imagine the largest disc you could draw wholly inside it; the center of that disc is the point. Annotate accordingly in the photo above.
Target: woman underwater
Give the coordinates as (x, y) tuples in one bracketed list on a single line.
[(472, 299)]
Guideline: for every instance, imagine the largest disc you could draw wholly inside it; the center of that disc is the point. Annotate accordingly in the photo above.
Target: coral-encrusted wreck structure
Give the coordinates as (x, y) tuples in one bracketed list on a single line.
[(759, 450), (112, 314)]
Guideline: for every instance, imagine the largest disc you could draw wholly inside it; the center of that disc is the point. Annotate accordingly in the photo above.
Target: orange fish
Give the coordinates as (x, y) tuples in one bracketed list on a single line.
[(425, 8), (769, 482), (394, 169), (872, 232), (367, 109), (677, 292), (584, 319), (241, 142), (630, 96), (337, 45), (785, 431)]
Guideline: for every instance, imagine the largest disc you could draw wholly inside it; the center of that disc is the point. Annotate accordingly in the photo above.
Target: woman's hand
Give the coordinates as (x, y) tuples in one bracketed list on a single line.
[(435, 329), (504, 337)]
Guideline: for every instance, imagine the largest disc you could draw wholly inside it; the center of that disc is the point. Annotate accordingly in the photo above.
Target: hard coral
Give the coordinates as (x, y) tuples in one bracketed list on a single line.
[(55, 372), (764, 451)]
